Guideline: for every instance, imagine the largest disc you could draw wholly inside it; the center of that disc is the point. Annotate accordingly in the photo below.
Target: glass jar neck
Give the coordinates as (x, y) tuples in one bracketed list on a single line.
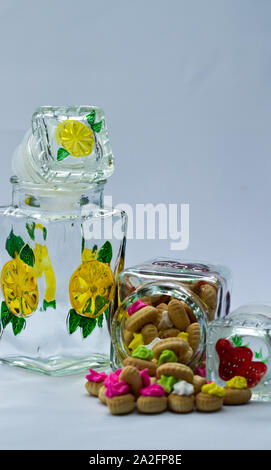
[(65, 197)]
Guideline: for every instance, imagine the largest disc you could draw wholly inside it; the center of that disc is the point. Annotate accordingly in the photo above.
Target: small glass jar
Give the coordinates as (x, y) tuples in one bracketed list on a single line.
[(60, 255), (203, 290), (240, 345)]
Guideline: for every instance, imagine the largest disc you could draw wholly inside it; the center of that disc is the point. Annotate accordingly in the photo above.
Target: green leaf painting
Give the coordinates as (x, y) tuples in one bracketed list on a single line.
[(5, 315), (27, 255), (86, 324), (105, 253), (100, 320), (91, 117), (31, 230), (18, 323), (73, 321), (46, 304), (82, 244), (14, 244), (238, 341), (97, 126), (44, 233), (61, 154), (259, 355)]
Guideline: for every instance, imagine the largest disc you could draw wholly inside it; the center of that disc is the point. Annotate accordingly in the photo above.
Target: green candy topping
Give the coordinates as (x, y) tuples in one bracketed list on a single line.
[(141, 352), (167, 356), (167, 382)]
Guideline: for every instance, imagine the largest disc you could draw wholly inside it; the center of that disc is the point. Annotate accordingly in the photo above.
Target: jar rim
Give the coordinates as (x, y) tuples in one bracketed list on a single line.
[(67, 187)]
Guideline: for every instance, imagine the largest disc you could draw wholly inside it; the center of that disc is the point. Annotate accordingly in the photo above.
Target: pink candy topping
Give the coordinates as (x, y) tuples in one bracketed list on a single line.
[(145, 377), (112, 378), (135, 307), (154, 390), (116, 389), (94, 376)]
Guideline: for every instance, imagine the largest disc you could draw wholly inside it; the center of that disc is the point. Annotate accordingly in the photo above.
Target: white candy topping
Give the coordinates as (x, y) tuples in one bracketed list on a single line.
[(183, 388), (165, 321), (154, 341)]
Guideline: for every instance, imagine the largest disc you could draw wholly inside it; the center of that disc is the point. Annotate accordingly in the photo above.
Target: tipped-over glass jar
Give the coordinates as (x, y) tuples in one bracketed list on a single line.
[(184, 297), (59, 260), (240, 345)]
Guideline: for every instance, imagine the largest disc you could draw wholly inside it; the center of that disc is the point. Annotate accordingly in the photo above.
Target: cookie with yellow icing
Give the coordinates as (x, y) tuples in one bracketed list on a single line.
[(210, 398), (236, 391)]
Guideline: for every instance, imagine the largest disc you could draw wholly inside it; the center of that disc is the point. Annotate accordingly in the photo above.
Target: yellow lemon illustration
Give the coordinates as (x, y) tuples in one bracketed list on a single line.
[(92, 283), (75, 137), (19, 287), (88, 255), (43, 265)]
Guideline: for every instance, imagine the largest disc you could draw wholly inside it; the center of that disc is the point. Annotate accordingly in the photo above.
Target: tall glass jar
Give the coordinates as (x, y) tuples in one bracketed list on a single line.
[(61, 248), (194, 291)]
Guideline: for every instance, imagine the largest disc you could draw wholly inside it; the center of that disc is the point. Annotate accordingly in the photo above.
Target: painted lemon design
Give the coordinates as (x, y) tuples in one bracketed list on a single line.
[(88, 255), (44, 266), (91, 288), (19, 287), (75, 137)]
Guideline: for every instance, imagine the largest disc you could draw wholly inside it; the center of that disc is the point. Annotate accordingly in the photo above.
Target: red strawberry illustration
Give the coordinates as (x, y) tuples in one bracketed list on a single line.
[(238, 361)]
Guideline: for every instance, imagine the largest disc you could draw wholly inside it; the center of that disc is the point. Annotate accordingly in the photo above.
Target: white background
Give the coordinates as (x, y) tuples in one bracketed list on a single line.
[(185, 86)]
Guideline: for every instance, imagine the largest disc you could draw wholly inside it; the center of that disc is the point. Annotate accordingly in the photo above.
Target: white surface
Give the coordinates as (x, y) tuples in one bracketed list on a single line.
[(38, 412), (185, 86)]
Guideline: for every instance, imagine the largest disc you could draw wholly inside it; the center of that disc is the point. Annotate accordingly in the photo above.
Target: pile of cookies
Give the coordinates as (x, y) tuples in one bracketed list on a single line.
[(151, 381), (148, 324), (206, 291), (162, 337)]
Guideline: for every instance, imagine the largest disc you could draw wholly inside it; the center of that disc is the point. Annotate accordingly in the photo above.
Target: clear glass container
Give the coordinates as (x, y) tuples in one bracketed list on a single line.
[(203, 289), (61, 251), (240, 345)]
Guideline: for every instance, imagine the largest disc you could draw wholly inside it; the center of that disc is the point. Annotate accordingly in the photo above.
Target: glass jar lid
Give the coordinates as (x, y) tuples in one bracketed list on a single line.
[(66, 144)]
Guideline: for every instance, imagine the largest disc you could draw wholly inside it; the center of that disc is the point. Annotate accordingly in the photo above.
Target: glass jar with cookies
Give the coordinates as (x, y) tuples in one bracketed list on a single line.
[(162, 311)]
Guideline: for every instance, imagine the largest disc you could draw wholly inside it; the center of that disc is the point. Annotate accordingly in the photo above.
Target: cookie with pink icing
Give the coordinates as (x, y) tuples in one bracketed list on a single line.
[(95, 376), (118, 396), (137, 305), (113, 377), (116, 389), (146, 380), (154, 390), (95, 380), (152, 399)]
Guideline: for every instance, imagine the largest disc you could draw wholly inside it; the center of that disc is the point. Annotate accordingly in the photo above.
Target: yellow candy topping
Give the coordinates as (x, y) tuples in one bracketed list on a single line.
[(183, 335), (137, 341), (213, 389), (237, 382)]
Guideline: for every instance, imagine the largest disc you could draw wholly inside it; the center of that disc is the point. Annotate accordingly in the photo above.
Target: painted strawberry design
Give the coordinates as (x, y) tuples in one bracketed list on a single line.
[(239, 361)]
